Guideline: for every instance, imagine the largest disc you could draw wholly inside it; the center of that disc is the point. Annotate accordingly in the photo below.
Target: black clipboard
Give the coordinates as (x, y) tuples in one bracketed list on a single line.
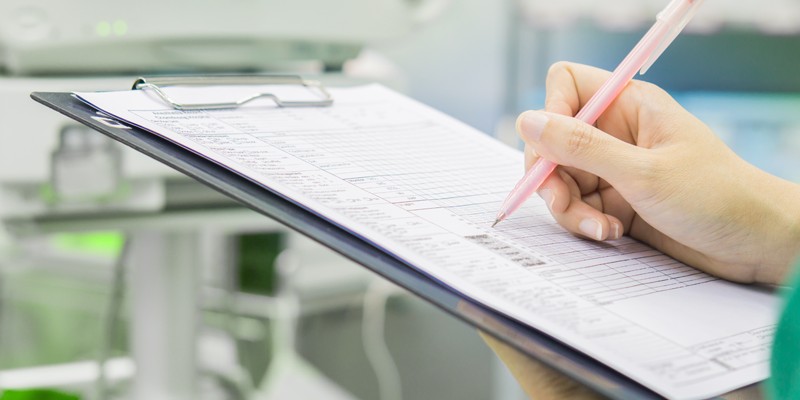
[(545, 348)]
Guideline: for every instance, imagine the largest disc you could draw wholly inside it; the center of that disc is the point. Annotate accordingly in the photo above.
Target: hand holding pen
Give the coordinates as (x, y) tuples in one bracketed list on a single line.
[(669, 23)]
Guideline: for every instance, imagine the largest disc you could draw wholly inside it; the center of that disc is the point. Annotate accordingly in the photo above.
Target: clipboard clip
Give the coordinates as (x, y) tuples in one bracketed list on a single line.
[(158, 84)]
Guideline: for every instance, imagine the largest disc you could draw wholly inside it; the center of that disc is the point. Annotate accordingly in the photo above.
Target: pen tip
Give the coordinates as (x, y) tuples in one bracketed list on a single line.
[(500, 218)]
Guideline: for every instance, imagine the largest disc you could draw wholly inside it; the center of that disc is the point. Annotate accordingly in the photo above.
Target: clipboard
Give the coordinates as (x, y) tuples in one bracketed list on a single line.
[(545, 348)]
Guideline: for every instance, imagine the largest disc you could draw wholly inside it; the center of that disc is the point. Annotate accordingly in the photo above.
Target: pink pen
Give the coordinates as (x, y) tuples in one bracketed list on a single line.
[(669, 23)]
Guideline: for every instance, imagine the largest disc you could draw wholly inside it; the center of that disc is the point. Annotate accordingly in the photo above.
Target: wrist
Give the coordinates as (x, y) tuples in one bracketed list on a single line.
[(783, 232), (794, 229)]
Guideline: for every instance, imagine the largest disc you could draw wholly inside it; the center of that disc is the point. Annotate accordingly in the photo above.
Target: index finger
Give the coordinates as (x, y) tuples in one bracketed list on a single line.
[(569, 87)]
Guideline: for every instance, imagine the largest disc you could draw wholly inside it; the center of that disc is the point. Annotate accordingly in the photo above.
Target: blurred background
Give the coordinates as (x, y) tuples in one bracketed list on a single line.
[(122, 279)]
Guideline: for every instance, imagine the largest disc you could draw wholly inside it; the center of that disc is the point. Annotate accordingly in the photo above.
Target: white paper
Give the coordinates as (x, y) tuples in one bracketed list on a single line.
[(426, 188)]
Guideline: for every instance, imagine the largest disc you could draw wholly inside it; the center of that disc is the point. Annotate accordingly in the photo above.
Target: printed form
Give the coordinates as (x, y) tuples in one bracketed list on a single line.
[(426, 188)]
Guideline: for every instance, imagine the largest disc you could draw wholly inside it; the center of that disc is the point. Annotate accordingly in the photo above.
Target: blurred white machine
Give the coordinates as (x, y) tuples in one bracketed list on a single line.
[(86, 36), (768, 16), (56, 175), (49, 165)]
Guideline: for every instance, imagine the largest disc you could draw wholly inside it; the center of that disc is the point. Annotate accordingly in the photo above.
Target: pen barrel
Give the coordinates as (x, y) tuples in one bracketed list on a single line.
[(528, 185), (623, 74), (597, 104)]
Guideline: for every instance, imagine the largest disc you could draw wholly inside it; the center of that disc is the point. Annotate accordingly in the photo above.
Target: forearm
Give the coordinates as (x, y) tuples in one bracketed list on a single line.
[(791, 246), (780, 228)]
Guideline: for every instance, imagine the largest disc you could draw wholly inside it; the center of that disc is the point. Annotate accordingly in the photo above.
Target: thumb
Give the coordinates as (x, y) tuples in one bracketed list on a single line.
[(573, 143)]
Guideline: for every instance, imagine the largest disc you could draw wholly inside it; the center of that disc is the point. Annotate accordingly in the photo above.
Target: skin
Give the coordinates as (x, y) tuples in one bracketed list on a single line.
[(651, 170), (537, 380)]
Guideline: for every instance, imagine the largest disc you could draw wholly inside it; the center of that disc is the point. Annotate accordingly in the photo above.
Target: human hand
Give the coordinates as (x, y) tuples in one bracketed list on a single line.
[(655, 172), (536, 379), (543, 383)]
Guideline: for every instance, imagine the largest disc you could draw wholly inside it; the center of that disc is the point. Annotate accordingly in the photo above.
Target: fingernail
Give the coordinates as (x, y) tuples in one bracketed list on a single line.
[(616, 231), (591, 228), (548, 197), (532, 124)]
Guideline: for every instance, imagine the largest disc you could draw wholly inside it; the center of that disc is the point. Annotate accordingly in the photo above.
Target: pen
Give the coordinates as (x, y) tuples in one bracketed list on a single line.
[(669, 23)]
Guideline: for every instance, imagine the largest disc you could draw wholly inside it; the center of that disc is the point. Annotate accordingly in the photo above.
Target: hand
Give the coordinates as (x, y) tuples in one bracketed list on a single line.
[(653, 171), (537, 380), (543, 383)]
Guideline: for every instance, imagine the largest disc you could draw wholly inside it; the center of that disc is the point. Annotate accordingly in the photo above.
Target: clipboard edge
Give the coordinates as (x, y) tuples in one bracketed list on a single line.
[(552, 352)]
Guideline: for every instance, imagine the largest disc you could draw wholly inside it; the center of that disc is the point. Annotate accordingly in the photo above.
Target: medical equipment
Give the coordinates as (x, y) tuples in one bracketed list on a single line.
[(87, 36), (57, 176), (91, 45)]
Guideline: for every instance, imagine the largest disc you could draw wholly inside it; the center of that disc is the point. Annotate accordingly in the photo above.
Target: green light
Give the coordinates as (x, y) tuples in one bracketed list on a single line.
[(103, 29), (36, 394), (120, 27), (103, 243)]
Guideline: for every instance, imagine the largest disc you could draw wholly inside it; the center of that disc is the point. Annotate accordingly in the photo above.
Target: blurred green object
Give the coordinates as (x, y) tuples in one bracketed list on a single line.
[(36, 394), (257, 253), (52, 307), (785, 380), (101, 243)]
